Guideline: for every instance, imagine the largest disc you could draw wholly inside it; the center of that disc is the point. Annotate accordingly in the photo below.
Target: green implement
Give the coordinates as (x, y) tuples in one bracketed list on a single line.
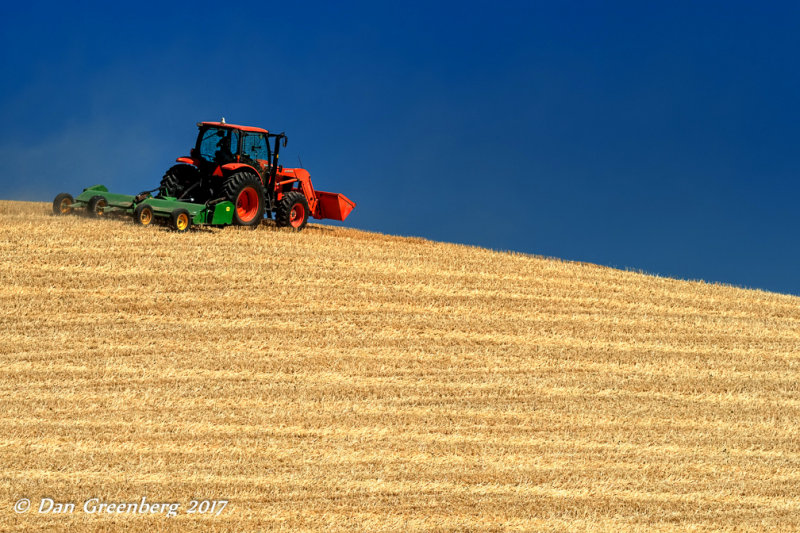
[(144, 208)]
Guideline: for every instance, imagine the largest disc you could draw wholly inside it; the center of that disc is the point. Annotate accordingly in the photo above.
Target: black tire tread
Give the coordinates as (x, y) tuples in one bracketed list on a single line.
[(91, 207), (233, 186), (138, 211), (57, 203), (174, 220), (283, 213), (177, 179)]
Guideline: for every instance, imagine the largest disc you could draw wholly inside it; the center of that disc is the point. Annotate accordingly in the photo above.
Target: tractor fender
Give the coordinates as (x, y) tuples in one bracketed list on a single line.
[(187, 160), (230, 168)]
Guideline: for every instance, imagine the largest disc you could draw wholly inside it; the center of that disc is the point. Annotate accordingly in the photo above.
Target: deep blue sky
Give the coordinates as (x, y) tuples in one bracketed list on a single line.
[(661, 137)]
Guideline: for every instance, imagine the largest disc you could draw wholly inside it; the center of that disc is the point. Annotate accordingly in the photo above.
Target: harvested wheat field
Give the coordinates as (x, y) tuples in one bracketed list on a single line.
[(342, 380)]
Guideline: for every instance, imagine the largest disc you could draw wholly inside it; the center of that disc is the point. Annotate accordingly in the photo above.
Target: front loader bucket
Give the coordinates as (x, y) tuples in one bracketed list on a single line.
[(333, 205)]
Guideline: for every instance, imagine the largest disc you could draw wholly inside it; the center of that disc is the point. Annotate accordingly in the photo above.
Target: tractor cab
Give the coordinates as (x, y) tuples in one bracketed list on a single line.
[(219, 143)]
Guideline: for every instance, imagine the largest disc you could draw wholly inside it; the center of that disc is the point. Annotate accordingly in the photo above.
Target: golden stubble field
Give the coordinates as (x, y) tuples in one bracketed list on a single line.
[(342, 380)]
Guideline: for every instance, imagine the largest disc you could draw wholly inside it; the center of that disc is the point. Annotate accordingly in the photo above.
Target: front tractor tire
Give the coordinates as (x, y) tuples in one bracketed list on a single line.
[(97, 206), (62, 205), (178, 179), (292, 211), (246, 193)]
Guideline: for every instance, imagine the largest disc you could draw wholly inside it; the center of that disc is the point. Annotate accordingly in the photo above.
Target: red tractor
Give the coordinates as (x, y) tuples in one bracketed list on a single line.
[(239, 164)]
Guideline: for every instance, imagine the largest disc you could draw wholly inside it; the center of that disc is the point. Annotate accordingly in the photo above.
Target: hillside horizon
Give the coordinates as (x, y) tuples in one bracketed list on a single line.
[(623, 268)]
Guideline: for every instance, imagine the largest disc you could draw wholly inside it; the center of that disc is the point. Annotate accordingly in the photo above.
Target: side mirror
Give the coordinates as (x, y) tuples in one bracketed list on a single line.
[(285, 140)]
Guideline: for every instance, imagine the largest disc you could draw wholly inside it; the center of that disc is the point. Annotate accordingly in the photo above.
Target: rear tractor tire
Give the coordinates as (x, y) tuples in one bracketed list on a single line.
[(292, 211), (177, 180), (143, 215), (246, 193), (97, 206), (181, 220), (62, 205)]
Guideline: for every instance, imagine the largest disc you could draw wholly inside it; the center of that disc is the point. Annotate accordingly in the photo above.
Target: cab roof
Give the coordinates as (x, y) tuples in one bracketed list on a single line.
[(233, 126)]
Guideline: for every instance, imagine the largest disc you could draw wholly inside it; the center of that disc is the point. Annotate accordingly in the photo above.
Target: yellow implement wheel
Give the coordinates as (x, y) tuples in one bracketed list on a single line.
[(181, 221), (97, 206), (143, 215), (62, 205)]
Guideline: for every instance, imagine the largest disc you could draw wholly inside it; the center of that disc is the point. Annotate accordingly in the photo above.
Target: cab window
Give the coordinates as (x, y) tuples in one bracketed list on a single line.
[(255, 146), (218, 144), (234, 142)]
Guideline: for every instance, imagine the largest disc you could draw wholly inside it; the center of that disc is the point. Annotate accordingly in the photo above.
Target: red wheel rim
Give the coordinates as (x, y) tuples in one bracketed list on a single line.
[(247, 204), (297, 215)]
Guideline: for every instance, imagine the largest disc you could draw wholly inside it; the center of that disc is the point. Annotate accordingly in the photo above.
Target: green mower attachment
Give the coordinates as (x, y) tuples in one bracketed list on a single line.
[(96, 201)]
